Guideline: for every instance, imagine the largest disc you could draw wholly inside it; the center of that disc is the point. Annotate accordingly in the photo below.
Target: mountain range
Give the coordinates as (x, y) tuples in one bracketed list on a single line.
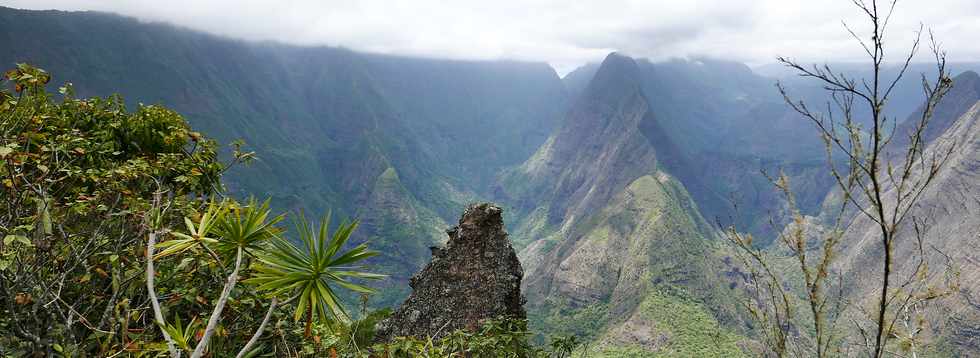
[(615, 178)]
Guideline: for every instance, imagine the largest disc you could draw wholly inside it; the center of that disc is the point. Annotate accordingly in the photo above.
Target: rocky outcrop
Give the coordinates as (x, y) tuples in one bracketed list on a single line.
[(476, 277)]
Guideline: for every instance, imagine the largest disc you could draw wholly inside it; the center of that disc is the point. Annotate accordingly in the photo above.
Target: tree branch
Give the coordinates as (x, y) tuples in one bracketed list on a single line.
[(219, 306), (258, 332)]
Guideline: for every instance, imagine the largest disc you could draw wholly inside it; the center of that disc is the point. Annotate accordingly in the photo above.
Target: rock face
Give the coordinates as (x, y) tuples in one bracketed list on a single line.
[(949, 215), (615, 233), (476, 277)]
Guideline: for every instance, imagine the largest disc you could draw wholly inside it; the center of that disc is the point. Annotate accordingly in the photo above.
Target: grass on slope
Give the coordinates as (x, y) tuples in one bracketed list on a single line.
[(660, 259), (689, 328)]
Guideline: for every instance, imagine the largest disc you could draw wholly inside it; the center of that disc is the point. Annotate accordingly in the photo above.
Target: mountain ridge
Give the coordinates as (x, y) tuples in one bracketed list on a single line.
[(612, 227), (326, 123)]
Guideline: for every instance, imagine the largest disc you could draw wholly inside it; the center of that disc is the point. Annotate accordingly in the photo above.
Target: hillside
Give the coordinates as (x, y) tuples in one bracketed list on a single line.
[(945, 219), (720, 126), (611, 232), (333, 129), (614, 178)]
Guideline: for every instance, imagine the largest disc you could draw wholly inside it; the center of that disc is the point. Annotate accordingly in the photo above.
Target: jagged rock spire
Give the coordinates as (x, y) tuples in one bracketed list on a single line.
[(476, 277)]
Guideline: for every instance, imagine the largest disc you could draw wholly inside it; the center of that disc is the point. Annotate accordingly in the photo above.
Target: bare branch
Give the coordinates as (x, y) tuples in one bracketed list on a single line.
[(150, 275), (258, 331), (219, 307)]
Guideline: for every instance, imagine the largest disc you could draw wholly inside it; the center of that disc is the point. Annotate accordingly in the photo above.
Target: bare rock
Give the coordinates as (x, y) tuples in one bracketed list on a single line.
[(476, 277)]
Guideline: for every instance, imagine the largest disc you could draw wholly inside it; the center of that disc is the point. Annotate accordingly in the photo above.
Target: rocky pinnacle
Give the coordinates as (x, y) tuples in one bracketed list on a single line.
[(476, 277)]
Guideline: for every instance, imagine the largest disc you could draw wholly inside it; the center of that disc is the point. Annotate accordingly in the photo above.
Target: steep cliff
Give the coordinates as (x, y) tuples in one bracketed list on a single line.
[(945, 219), (607, 231)]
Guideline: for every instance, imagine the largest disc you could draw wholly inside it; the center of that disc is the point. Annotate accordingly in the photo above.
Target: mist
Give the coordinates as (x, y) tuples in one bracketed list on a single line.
[(566, 35)]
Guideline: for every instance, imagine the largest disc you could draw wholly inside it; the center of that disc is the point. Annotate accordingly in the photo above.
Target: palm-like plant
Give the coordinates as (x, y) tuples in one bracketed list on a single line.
[(310, 274), (238, 230), (246, 227), (181, 334), (197, 234), (230, 229)]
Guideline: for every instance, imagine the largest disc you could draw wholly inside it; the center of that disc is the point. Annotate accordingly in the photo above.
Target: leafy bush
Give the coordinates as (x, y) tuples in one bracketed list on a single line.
[(88, 190), (495, 338), (78, 176)]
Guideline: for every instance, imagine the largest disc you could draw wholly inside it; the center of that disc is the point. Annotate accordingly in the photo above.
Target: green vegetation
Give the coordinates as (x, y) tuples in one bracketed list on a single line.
[(90, 185), (674, 323), (119, 239), (691, 329), (659, 275), (78, 178), (503, 338), (563, 319), (89, 190), (301, 272), (307, 111)]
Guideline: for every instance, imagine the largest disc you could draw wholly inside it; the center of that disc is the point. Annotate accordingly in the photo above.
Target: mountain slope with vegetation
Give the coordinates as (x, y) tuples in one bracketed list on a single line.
[(719, 127), (116, 230), (331, 128), (615, 178), (610, 229)]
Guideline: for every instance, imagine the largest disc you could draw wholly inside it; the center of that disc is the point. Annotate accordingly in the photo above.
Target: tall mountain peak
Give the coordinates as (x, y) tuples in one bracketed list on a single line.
[(617, 75), (606, 226), (599, 132)]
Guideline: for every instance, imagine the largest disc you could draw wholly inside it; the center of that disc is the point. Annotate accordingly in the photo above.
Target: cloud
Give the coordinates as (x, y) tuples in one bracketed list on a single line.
[(563, 33)]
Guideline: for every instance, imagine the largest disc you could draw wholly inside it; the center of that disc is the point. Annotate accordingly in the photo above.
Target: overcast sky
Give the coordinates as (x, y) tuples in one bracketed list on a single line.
[(565, 33)]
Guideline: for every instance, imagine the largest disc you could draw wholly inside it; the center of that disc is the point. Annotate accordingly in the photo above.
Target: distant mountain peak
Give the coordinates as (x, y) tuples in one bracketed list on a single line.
[(616, 65), (969, 75), (964, 94), (616, 74), (967, 79)]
